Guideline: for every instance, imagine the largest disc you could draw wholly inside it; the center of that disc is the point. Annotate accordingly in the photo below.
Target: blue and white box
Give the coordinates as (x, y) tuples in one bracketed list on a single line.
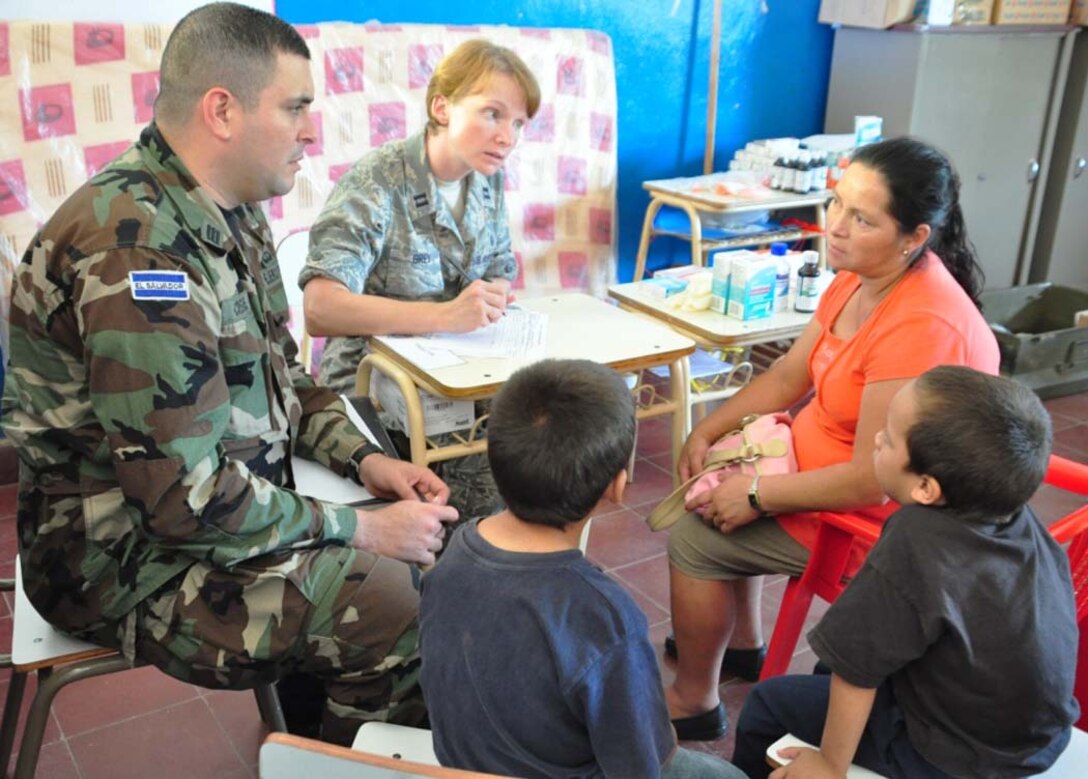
[(751, 286)]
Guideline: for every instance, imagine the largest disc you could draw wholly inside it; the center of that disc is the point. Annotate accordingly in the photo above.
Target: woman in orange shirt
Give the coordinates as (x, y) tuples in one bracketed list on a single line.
[(905, 298)]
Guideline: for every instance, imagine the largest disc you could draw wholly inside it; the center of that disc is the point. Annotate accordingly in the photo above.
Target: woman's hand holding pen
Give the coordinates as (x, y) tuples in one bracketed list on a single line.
[(479, 304)]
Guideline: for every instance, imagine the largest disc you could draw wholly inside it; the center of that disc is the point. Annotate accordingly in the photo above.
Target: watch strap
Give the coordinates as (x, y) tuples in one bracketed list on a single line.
[(753, 495)]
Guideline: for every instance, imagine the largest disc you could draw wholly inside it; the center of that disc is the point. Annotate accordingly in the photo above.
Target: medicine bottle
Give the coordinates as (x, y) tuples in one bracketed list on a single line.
[(781, 276), (808, 283)]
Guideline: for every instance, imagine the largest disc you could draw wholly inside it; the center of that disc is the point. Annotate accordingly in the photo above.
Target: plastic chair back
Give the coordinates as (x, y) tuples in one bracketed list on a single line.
[(825, 573)]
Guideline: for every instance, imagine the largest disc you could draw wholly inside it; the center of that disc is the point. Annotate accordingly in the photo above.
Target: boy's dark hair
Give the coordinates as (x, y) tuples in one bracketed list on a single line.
[(559, 432), (985, 439)]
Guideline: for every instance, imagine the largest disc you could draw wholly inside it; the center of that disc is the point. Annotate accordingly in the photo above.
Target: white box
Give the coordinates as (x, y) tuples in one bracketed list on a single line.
[(751, 286), (880, 14), (440, 415)]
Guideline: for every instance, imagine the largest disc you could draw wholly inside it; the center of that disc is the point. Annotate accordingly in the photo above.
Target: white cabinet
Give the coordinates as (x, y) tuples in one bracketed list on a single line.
[(1061, 250)]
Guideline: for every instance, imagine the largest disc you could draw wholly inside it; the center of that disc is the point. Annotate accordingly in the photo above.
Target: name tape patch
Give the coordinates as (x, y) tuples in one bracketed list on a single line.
[(158, 285)]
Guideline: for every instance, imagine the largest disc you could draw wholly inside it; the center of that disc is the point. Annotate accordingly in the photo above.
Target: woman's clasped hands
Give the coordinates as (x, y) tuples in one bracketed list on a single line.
[(725, 507)]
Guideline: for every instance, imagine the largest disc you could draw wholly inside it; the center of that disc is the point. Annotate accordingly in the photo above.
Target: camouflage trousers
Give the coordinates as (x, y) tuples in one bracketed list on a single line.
[(347, 617), (472, 489)]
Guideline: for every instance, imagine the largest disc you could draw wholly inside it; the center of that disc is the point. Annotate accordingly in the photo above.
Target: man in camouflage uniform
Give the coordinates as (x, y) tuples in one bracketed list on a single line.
[(393, 252), (155, 400)]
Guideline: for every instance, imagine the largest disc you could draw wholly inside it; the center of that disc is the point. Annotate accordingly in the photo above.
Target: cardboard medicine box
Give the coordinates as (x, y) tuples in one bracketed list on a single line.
[(751, 286), (1031, 11), (973, 12), (440, 415)]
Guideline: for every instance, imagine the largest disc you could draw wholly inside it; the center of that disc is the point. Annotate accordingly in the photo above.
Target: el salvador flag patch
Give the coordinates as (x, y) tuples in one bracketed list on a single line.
[(158, 285)]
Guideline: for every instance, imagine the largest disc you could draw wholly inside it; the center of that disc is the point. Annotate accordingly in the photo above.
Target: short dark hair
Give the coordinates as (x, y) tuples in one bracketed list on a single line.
[(222, 45), (560, 431), (985, 439), (923, 188)]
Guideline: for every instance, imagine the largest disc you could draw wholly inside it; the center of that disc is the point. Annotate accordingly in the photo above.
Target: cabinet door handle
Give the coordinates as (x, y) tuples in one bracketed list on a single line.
[(1033, 170), (1079, 166)]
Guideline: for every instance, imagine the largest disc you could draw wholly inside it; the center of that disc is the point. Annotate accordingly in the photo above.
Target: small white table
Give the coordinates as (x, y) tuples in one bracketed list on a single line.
[(696, 195), (711, 331), (579, 326)]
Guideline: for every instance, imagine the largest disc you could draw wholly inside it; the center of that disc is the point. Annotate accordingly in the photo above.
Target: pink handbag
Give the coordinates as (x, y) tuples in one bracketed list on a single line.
[(763, 445)]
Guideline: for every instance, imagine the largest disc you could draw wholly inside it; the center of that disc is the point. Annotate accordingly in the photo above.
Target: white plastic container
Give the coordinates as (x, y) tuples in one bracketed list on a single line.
[(721, 263)]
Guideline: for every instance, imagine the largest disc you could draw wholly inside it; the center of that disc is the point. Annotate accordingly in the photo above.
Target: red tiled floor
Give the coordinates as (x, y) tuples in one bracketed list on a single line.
[(180, 741), (105, 700), (621, 538), (1072, 406), (8, 494), (236, 712), (650, 484), (142, 723)]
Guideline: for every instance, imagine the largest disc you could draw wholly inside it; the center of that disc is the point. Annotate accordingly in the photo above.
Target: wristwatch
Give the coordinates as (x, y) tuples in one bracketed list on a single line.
[(753, 494), (357, 457)]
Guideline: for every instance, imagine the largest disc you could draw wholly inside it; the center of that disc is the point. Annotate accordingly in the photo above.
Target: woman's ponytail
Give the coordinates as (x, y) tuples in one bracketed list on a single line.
[(925, 190)]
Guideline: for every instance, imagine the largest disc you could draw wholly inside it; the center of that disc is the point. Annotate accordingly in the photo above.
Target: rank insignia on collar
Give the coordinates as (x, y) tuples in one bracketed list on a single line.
[(420, 199)]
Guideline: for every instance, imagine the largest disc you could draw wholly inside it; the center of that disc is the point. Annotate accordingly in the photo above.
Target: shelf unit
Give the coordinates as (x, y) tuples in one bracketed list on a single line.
[(695, 197)]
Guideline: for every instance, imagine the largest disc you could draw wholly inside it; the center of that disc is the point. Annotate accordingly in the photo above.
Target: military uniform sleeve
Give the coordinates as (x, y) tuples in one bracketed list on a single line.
[(502, 265), (157, 377), (326, 433), (347, 238)]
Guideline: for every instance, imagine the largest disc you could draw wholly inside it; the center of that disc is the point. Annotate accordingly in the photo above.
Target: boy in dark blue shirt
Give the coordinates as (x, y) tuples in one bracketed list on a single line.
[(953, 651), (536, 664)]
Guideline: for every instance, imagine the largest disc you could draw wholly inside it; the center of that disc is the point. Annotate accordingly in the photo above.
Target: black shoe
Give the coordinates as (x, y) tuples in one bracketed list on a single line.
[(745, 663), (702, 727)]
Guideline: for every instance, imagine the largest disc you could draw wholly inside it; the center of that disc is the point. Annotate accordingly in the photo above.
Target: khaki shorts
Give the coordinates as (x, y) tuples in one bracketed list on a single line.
[(703, 552)]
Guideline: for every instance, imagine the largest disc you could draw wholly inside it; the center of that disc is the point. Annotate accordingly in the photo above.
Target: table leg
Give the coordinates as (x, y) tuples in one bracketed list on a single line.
[(680, 390), (644, 240), (696, 234), (416, 437)]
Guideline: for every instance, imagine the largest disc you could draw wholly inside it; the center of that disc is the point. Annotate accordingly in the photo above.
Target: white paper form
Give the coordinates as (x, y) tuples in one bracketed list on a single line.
[(519, 333), (422, 351), (316, 481)]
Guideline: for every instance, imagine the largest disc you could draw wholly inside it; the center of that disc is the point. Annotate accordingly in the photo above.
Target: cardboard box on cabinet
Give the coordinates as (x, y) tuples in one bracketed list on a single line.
[(1031, 11), (973, 12), (880, 14)]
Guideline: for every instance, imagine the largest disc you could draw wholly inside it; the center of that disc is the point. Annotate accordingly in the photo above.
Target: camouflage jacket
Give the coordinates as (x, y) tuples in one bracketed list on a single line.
[(385, 230), (154, 395)]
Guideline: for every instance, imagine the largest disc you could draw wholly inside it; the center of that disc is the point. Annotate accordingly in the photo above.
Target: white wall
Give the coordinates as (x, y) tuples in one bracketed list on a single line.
[(117, 11)]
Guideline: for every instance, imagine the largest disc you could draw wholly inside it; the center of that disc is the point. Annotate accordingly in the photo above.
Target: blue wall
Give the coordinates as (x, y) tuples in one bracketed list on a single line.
[(775, 62)]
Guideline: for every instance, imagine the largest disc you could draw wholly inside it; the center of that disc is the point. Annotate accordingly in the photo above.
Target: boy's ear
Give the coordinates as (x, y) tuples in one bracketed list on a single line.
[(614, 491), (927, 491)]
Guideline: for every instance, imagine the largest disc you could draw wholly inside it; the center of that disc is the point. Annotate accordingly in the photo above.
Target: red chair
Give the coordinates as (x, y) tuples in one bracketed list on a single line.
[(825, 574)]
